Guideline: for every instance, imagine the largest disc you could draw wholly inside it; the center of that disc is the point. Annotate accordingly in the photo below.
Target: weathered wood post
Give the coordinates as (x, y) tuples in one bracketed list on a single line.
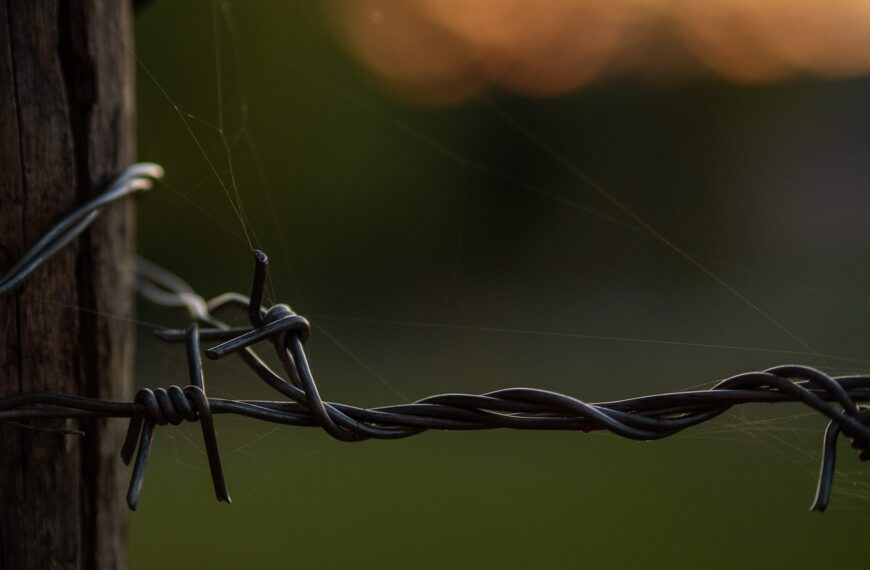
[(66, 128)]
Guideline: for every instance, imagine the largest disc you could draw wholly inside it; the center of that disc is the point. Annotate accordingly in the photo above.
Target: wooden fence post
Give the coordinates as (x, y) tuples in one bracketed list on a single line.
[(66, 128)]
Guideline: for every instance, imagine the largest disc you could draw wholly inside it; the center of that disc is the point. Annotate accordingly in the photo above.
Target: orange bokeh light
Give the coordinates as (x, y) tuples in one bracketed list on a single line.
[(441, 51)]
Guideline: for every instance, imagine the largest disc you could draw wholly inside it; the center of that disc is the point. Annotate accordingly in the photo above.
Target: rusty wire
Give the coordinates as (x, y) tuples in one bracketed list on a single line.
[(642, 418)]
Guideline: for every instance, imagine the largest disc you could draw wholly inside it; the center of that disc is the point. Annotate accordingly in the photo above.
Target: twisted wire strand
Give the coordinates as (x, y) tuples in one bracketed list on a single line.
[(643, 418), (136, 178)]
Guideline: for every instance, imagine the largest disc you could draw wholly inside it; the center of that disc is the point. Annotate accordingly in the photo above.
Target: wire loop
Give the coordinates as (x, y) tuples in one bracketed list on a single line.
[(136, 178)]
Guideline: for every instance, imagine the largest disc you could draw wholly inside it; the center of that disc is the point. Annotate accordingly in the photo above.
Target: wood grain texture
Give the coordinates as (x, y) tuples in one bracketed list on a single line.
[(66, 111)]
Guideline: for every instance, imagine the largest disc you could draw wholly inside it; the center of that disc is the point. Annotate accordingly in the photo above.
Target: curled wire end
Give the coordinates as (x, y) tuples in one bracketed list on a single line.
[(826, 471), (148, 169), (277, 320), (255, 305)]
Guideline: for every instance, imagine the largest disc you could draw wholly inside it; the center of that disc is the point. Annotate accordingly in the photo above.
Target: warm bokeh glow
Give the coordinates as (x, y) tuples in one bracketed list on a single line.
[(440, 51), (534, 47), (759, 41), (402, 45)]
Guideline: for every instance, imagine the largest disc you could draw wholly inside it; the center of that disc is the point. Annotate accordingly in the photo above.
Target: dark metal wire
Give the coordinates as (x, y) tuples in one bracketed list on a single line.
[(136, 178), (643, 418)]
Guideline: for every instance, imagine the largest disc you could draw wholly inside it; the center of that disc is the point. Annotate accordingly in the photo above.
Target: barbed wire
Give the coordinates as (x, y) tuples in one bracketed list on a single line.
[(136, 178), (643, 418)]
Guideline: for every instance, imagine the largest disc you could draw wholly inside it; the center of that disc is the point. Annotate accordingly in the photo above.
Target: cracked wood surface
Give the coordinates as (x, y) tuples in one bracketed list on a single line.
[(66, 129)]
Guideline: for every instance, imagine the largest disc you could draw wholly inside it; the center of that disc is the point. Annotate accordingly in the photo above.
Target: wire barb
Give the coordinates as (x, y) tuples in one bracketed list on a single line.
[(172, 406), (642, 418)]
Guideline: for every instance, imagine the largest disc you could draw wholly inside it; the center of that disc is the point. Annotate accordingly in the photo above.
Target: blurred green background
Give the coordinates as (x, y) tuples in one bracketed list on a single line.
[(439, 250)]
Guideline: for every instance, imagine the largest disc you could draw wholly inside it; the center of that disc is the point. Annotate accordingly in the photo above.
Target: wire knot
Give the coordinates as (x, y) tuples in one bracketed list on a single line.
[(173, 405), (277, 322), (290, 321)]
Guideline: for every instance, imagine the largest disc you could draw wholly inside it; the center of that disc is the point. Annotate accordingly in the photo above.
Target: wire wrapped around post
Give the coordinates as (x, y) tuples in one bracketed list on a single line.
[(136, 178)]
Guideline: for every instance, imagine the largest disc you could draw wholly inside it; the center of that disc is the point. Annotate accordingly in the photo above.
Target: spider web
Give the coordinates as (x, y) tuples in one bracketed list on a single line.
[(231, 169)]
